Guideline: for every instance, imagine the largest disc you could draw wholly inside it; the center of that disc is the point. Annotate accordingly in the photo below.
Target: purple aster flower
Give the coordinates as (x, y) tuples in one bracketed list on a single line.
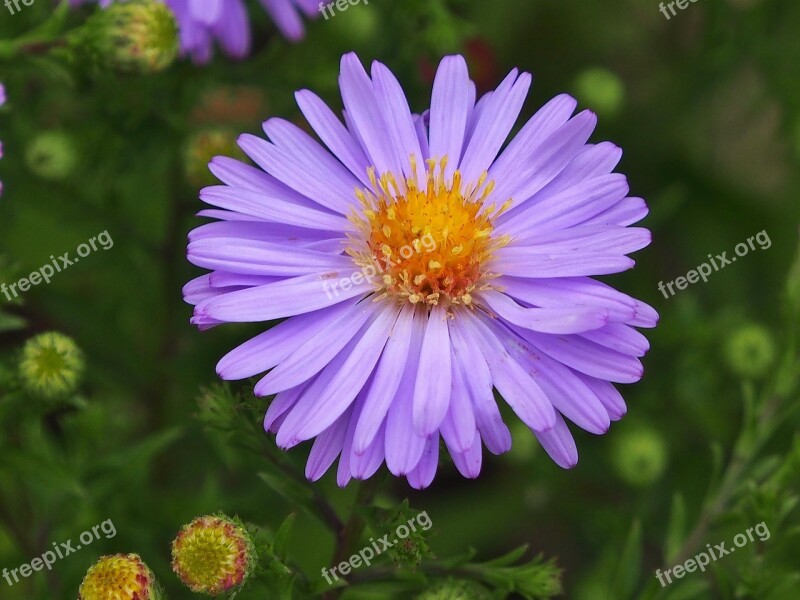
[(226, 22), (418, 266)]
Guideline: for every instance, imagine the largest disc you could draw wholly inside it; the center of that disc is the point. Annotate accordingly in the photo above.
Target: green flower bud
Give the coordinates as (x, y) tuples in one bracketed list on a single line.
[(136, 36), (639, 455), (52, 155), (750, 351), (51, 365), (202, 147), (456, 589), (537, 579), (411, 546), (359, 27), (601, 90)]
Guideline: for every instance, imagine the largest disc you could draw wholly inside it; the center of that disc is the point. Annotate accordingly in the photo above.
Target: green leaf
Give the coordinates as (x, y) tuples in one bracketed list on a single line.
[(282, 536), (629, 566), (676, 528)]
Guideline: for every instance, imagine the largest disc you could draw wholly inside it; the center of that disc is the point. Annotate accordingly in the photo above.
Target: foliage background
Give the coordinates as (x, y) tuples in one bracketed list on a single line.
[(710, 125)]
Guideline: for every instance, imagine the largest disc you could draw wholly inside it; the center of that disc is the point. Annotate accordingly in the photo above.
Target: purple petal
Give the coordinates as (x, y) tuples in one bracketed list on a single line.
[(433, 382)]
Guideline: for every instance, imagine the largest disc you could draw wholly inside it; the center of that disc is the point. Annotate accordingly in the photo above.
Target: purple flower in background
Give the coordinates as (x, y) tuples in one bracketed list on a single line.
[(226, 22), (418, 266)]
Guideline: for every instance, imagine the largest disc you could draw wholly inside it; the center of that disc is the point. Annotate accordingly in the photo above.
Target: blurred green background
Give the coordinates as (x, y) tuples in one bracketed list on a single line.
[(706, 106)]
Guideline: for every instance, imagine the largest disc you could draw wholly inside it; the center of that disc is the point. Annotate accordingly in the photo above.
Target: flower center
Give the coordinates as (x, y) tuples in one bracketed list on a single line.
[(428, 244), (121, 576)]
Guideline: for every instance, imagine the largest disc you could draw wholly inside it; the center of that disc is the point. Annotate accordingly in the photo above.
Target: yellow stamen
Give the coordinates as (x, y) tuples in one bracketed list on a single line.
[(430, 242)]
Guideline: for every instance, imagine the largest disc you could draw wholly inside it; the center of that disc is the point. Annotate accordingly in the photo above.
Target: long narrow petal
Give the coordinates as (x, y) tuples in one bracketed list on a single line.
[(494, 126), (477, 378), (559, 444), (282, 299), (270, 348), (386, 380), (514, 383), (400, 124), (315, 354), (450, 106), (333, 134), (545, 320), (361, 104), (432, 386)]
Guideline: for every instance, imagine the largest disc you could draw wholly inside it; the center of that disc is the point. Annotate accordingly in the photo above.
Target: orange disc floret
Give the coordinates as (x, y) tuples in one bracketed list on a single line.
[(431, 242)]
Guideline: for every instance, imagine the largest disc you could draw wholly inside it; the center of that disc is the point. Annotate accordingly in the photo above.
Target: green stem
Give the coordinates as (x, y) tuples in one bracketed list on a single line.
[(42, 38), (350, 535)]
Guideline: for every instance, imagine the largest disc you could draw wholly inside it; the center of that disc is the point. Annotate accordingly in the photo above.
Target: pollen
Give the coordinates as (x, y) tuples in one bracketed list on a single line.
[(427, 244)]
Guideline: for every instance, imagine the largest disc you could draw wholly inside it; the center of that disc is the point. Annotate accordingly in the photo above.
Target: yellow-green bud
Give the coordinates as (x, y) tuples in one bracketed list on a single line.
[(51, 365), (214, 555), (135, 36), (601, 90), (750, 351), (639, 455), (52, 155), (121, 577)]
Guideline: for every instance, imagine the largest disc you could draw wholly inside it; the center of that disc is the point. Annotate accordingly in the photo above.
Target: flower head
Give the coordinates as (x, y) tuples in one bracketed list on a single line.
[(122, 577), (418, 268), (51, 365), (137, 36), (750, 350), (202, 23), (213, 555), (639, 455), (52, 155)]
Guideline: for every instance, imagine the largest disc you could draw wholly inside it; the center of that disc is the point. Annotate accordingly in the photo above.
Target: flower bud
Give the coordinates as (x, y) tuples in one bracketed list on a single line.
[(202, 147), (122, 577), (601, 90), (51, 365), (137, 36), (750, 351), (456, 589), (214, 555), (52, 155), (639, 455)]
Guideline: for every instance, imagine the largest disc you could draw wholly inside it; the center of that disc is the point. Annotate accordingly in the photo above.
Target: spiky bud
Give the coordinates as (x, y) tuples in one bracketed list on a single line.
[(51, 365), (122, 577), (135, 36), (214, 555)]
